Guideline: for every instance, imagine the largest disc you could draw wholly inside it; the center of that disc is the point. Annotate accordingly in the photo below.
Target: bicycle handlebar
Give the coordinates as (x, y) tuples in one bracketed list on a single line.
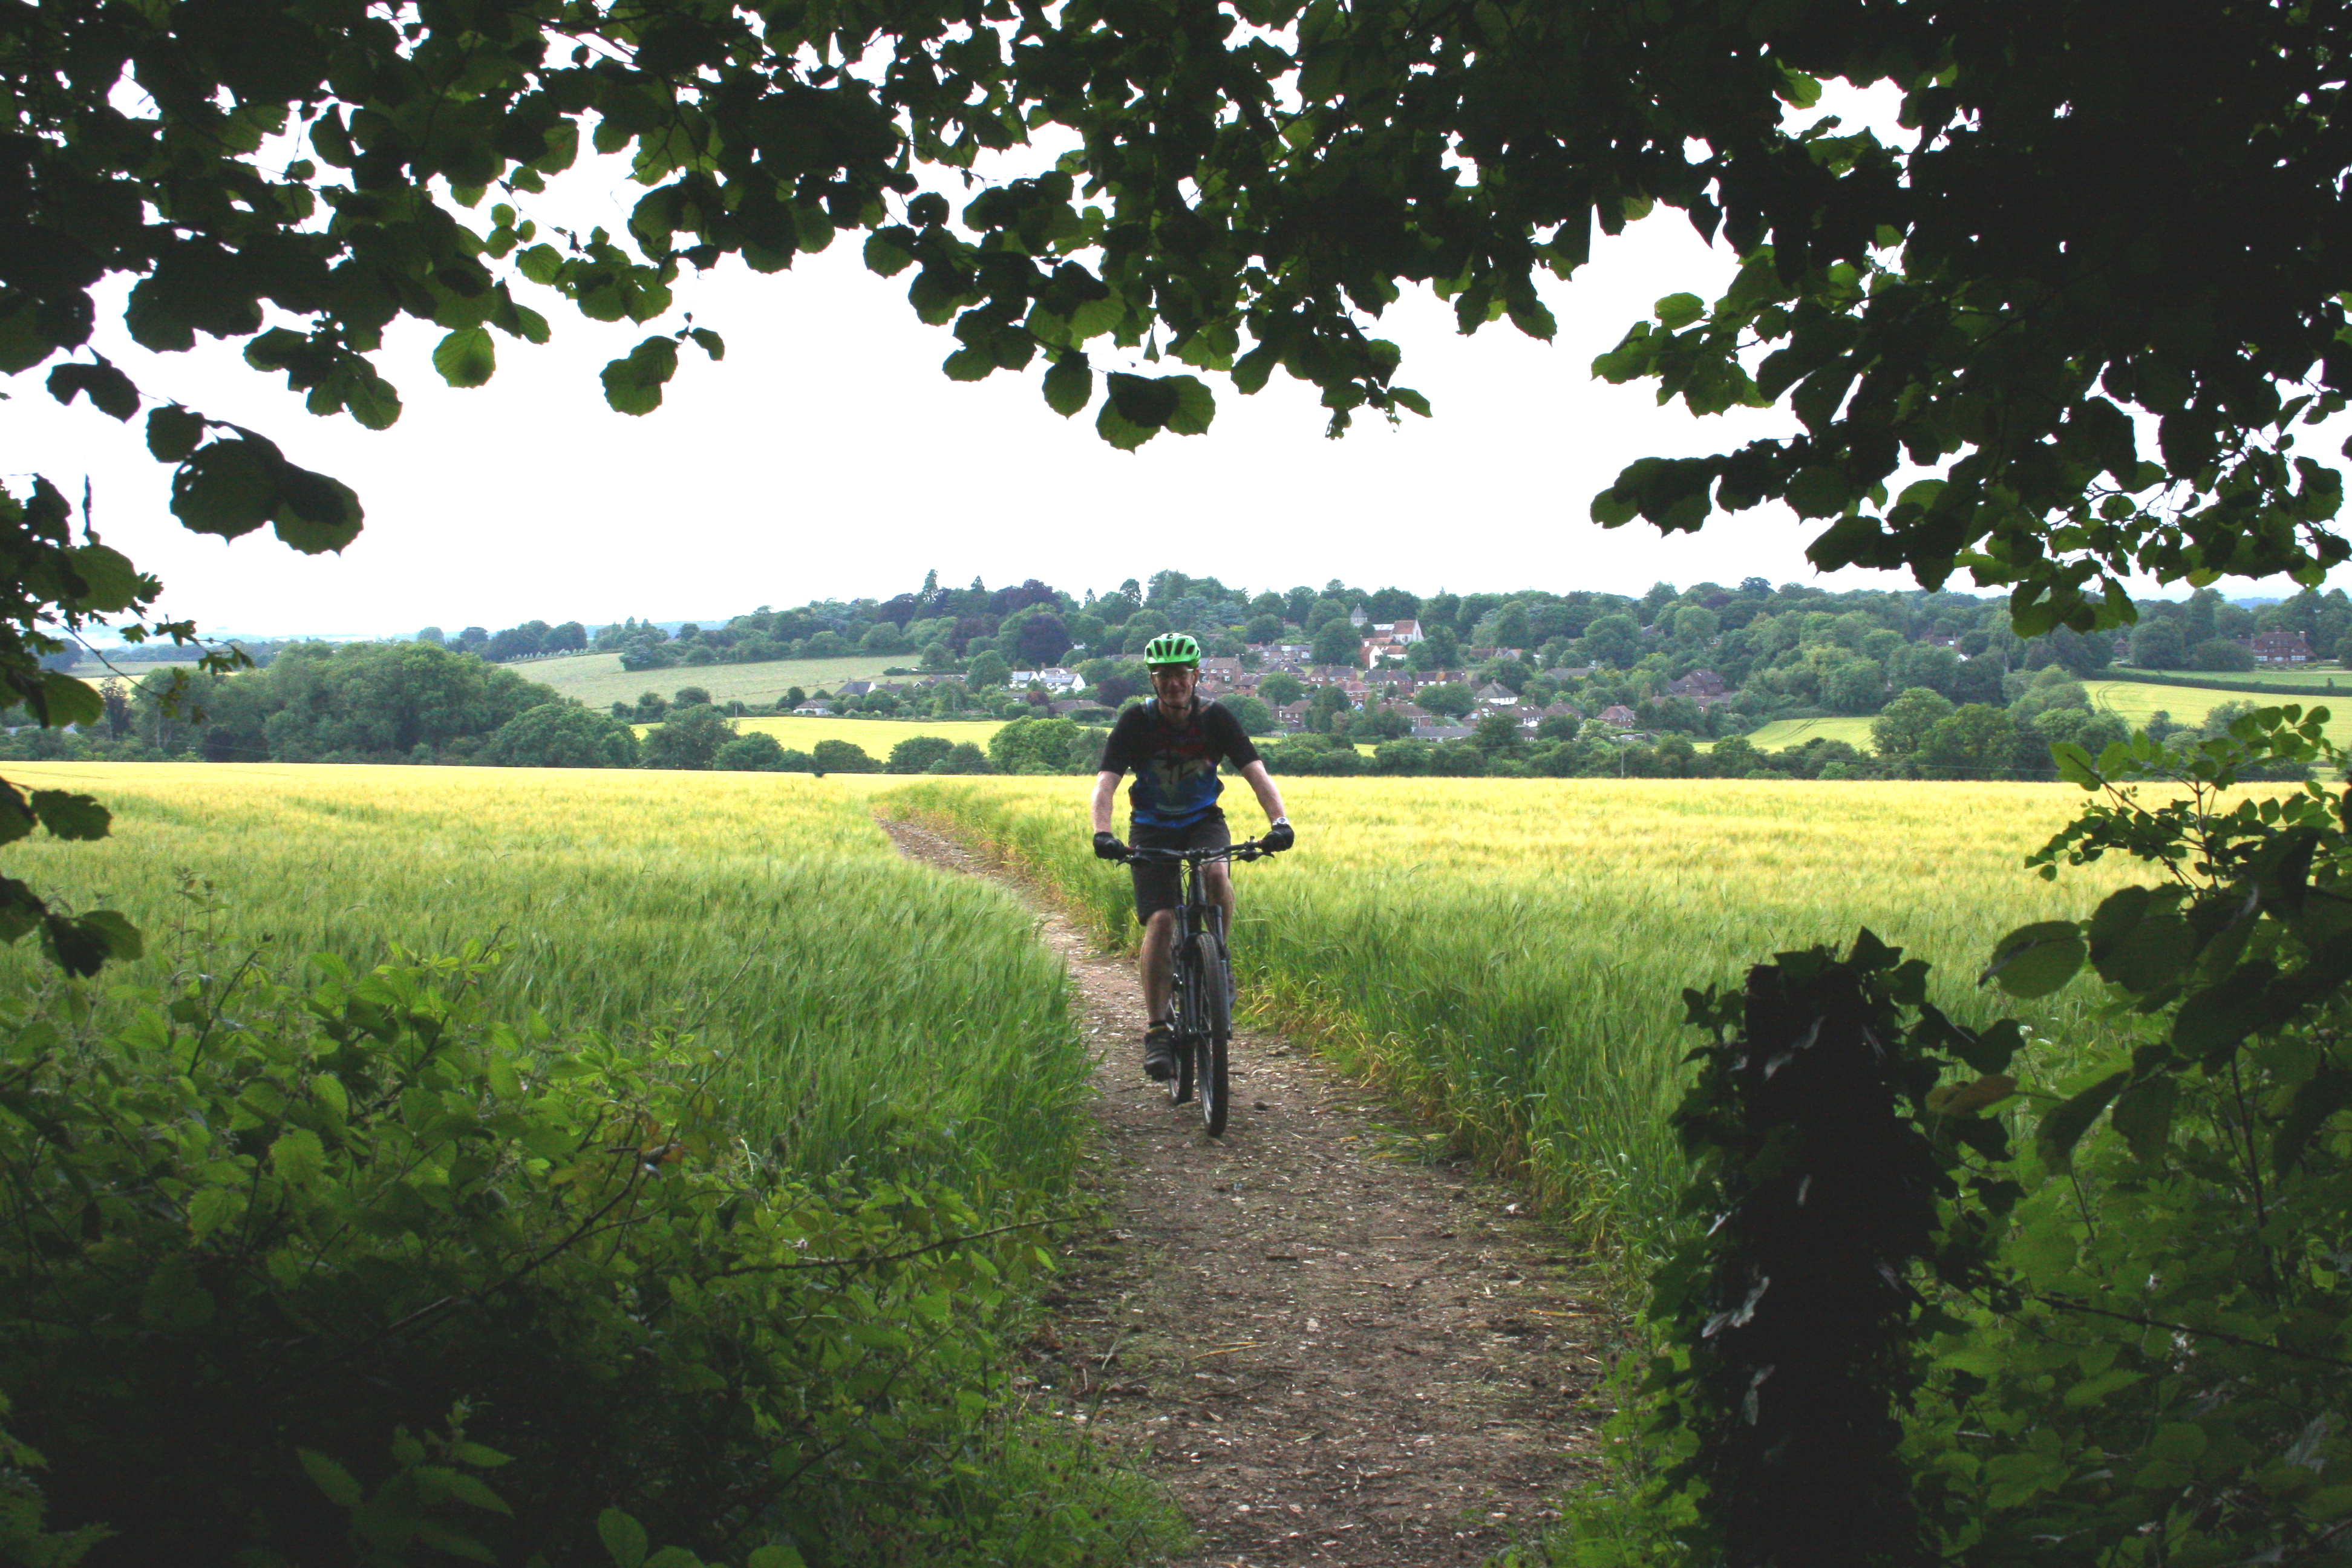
[(1247, 849)]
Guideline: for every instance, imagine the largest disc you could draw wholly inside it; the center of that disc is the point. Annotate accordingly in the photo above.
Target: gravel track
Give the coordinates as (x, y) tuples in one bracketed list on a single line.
[(1331, 1348)]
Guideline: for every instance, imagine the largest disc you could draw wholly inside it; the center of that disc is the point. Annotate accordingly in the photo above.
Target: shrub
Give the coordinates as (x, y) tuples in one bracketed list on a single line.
[(355, 1270), (917, 754), (757, 751), (562, 735), (842, 757)]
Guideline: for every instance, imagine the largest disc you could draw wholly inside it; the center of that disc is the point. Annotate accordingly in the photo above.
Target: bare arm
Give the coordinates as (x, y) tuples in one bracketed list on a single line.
[(1261, 784), (1106, 792)]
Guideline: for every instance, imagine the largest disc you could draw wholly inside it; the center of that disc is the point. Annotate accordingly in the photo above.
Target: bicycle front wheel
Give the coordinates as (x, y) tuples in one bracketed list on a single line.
[(1183, 1015), (1216, 992)]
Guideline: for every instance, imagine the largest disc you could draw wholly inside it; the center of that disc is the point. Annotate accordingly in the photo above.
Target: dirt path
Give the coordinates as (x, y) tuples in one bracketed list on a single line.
[(1328, 1353)]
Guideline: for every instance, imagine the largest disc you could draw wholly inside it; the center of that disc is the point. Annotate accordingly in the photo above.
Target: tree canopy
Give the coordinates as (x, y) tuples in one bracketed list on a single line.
[(2101, 217), (2103, 210)]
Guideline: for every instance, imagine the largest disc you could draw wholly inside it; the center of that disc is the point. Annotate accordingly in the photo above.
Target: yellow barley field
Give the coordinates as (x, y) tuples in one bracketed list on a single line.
[(875, 1010), (1511, 954)]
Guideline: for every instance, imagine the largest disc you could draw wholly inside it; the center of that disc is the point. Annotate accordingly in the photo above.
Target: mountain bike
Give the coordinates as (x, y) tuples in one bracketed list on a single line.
[(1201, 1017)]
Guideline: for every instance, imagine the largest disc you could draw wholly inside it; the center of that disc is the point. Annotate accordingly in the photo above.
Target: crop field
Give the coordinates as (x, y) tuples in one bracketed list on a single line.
[(2135, 703), (2267, 675), (1509, 954), (875, 1012), (877, 736), (1781, 733), (598, 680)]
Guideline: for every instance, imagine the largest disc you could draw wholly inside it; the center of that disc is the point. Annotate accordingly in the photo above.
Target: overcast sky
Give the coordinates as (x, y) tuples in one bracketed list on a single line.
[(828, 456)]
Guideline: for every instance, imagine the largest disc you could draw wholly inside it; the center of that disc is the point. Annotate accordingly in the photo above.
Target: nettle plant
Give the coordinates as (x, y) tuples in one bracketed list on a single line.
[(2129, 1340)]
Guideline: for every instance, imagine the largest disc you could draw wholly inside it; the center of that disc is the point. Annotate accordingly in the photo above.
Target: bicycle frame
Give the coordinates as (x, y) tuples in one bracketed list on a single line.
[(1200, 982)]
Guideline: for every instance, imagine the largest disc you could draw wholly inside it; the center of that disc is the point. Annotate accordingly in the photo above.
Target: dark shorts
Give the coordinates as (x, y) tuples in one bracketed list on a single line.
[(1161, 886)]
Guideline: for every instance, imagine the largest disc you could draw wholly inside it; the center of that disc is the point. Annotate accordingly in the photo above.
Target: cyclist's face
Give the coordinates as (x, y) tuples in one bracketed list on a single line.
[(1173, 682)]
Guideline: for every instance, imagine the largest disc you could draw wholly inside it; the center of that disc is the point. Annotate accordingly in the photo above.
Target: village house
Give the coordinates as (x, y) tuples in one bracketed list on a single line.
[(1440, 730), (2277, 647), (1701, 686), (1617, 716), (1494, 694), (1054, 680)]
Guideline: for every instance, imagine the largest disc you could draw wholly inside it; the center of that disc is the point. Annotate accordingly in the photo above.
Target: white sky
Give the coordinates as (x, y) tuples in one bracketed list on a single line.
[(828, 456)]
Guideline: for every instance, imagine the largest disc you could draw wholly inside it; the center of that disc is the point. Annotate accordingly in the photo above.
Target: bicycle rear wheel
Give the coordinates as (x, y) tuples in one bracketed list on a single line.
[(1216, 1010)]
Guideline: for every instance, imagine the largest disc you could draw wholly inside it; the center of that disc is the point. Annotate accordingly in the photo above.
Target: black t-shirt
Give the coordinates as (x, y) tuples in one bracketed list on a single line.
[(1176, 782)]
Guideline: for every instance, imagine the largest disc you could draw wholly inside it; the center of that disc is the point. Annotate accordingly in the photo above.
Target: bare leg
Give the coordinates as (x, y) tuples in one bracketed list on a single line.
[(1158, 962), (1220, 896)]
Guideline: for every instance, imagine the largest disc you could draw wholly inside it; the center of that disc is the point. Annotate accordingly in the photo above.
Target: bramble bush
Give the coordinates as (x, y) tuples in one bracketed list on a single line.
[(1933, 1307), (352, 1270)]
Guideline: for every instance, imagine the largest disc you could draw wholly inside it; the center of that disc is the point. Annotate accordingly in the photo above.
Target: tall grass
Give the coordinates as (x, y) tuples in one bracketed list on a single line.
[(880, 1016), (1509, 956)]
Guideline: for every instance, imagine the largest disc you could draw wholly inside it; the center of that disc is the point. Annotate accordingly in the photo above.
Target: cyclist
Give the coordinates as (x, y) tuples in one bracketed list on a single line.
[(1172, 744)]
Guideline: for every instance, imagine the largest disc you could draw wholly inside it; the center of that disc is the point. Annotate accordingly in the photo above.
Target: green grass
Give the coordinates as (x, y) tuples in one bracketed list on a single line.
[(879, 1015), (1509, 956), (598, 680), (2135, 703), (1781, 733), (2262, 675)]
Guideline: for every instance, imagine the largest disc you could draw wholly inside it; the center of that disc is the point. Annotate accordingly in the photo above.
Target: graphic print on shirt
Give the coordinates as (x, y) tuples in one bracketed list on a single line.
[(1176, 780)]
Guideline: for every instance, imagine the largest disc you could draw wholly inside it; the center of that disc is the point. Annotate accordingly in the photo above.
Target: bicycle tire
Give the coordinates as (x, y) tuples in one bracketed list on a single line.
[(1217, 1018), (1182, 1015)]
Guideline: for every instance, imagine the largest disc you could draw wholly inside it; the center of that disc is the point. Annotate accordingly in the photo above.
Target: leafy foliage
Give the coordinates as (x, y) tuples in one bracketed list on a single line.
[(2027, 251), (354, 1270), (2139, 1347)]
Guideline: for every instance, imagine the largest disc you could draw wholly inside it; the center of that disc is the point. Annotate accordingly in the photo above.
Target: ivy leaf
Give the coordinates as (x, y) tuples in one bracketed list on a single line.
[(2035, 960), (466, 357)]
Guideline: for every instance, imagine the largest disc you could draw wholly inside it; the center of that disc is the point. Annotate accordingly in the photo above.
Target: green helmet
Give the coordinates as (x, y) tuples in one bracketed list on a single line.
[(1172, 648)]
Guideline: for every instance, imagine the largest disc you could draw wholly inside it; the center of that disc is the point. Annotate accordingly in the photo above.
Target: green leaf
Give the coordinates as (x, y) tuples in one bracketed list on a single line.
[(2316, 1098), (471, 1491), (227, 487), (110, 391), (541, 263), (2143, 1114), (22, 342), (69, 816), (330, 1478), (1797, 89), (1069, 384), (633, 383), (776, 1555), (1196, 405), (298, 1156), (2064, 1125), (708, 341), (319, 514), (1967, 1100), (2035, 960), (624, 1537), (211, 1208), (466, 357), (1676, 312), (172, 432)]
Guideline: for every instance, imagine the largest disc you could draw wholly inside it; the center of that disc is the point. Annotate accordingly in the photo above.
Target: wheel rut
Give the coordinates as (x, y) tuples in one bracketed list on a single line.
[(1328, 1348)]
